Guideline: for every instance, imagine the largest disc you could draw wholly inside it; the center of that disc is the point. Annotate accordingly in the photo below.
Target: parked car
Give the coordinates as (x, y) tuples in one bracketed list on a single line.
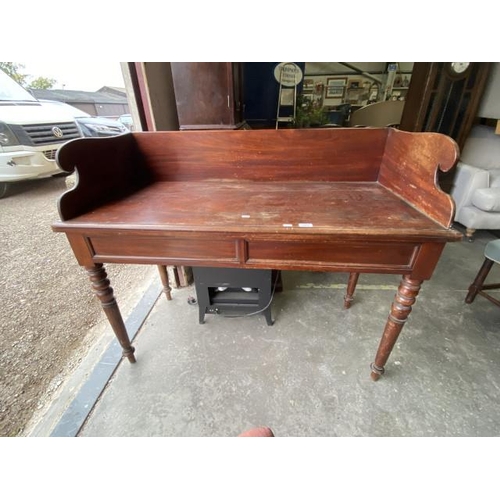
[(91, 126), (127, 121), (30, 135)]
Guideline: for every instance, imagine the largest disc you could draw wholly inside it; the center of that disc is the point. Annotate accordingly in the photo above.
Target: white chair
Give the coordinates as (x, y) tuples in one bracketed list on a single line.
[(476, 185)]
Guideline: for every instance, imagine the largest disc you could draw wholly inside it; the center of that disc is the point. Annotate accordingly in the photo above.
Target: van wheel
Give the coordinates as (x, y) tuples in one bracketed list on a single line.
[(4, 188)]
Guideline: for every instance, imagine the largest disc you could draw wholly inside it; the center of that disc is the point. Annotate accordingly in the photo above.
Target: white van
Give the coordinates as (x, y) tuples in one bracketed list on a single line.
[(30, 135)]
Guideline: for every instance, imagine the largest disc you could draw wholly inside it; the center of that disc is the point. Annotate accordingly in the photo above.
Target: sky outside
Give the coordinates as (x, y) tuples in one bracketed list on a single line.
[(88, 76)]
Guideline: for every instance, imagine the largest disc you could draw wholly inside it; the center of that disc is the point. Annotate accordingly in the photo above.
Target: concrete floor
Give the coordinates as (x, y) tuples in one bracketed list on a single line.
[(308, 375)]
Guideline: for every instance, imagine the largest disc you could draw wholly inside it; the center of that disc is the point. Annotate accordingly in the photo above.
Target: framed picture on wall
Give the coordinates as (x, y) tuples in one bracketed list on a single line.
[(354, 84), (335, 88), (308, 84)]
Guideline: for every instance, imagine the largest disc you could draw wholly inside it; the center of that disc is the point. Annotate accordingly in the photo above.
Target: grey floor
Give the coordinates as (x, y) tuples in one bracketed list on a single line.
[(308, 374)]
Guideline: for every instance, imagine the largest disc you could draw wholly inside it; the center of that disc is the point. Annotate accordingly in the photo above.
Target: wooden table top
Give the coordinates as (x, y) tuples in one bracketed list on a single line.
[(296, 207)]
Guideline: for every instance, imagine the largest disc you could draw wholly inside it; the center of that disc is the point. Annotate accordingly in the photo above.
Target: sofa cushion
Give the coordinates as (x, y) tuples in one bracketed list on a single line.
[(487, 199), (494, 178), (472, 217)]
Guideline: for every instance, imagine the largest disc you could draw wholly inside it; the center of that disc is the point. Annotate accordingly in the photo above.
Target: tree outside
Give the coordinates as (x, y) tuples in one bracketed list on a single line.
[(15, 71), (42, 83)]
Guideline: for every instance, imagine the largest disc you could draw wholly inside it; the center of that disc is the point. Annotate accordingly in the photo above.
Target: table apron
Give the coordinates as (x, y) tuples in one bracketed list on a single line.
[(323, 254)]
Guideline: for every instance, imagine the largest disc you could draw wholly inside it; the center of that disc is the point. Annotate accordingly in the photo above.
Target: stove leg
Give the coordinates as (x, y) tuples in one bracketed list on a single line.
[(269, 319), (201, 316)]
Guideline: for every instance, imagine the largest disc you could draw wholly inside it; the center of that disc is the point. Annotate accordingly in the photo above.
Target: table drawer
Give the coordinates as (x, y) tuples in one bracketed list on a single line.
[(397, 255), (163, 248)]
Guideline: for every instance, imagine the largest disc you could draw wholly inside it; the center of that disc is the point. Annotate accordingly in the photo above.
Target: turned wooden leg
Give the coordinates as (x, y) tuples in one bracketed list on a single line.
[(351, 286), (165, 282), (469, 232), (401, 308), (477, 284), (102, 290)]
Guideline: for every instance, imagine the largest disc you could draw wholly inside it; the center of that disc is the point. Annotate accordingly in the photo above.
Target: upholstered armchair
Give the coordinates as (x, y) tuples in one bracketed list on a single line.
[(476, 185)]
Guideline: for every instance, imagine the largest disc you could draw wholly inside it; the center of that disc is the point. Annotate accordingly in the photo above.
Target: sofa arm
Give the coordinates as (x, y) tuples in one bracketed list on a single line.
[(467, 180), (487, 199)]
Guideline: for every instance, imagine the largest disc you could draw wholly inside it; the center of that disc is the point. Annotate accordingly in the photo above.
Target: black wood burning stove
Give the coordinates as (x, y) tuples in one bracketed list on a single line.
[(234, 292)]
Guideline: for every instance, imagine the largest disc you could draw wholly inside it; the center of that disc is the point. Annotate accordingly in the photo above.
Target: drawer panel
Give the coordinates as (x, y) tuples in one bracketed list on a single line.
[(163, 248), (370, 254)]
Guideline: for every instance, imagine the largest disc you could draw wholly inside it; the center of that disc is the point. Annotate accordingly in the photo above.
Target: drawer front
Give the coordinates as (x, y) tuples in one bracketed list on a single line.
[(129, 248), (397, 256), (263, 254)]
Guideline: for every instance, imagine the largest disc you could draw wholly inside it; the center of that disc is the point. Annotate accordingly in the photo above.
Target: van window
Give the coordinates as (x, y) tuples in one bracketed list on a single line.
[(12, 91)]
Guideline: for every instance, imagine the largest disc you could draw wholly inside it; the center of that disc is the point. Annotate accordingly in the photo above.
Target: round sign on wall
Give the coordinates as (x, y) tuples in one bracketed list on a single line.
[(290, 74)]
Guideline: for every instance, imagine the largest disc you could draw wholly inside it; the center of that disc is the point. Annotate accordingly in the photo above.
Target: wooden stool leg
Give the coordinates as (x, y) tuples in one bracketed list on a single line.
[(104, 292), (400, 310), (477, 284), (351, 287), (165, 282)]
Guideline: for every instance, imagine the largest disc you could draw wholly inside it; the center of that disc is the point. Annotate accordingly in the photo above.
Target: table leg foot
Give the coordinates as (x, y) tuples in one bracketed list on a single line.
[(351, 286), (103, 291), (400, 310), (129, 354), (377, 371)]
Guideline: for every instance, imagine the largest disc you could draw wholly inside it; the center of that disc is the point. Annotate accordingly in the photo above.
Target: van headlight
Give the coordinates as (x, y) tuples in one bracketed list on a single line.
[(7, 137)]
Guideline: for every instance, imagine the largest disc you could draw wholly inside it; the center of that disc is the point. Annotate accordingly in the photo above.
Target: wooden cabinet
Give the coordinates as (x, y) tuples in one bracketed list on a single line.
[(444, 99), (208, 95)]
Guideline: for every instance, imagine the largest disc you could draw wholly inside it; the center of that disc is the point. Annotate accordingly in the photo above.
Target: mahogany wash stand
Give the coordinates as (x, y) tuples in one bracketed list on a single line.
[(341, 200)]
